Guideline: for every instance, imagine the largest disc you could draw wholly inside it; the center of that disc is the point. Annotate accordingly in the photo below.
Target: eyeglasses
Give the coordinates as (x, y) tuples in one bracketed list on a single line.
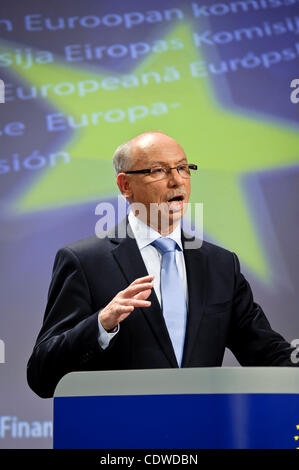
[(161, 172)]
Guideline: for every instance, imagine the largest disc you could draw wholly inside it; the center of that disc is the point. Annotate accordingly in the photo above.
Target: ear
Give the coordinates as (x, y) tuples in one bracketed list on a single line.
[(123, 183)]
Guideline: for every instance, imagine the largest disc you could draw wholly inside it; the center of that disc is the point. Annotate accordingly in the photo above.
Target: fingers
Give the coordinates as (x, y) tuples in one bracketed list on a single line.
[(134, 289), (124, 309), (142, 280), (124, 302), (143, 295), (134, 302), (118, 309)]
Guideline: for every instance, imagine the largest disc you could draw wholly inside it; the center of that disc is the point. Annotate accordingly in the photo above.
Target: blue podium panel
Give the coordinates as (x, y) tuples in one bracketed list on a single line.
[(219, 421), (177, 420)]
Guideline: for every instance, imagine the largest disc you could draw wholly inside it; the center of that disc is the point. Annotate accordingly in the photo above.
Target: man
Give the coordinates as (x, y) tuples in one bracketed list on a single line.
[(144, 301)]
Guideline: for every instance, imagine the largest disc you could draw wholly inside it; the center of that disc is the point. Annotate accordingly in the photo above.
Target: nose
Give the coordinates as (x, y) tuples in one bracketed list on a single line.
[(174, 178)]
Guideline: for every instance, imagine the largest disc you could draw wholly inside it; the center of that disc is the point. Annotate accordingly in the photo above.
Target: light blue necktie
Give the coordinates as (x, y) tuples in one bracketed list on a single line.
[(173, 297)]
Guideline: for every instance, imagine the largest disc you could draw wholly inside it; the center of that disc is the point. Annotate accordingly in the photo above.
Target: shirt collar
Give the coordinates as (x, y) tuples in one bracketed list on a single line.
[(145, 235)]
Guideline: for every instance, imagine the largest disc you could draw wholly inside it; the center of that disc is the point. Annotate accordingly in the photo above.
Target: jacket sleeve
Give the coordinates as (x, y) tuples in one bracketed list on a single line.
[(251, 339), (69, 334)]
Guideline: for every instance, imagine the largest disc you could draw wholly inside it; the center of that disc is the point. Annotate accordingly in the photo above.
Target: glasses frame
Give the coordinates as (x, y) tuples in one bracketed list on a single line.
[(191, 166)]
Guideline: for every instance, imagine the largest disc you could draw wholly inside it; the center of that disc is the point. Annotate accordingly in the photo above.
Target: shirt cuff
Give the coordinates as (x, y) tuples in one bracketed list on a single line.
[(104, 337)]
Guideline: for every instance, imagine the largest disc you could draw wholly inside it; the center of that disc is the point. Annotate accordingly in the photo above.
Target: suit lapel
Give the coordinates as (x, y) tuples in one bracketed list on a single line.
[(195, 262), (129, 259)]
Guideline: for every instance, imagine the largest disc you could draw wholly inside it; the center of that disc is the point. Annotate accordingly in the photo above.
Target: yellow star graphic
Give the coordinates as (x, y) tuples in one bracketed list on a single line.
[(164, 92)]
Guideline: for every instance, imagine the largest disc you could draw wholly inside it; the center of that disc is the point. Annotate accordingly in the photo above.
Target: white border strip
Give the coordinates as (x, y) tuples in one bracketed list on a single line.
[(180, 381)]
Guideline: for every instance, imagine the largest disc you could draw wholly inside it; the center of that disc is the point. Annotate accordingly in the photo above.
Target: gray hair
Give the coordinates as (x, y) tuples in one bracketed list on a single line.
[(122, 157)]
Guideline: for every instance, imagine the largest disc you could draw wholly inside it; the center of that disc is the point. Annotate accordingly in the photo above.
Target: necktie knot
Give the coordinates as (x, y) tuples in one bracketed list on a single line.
[(165, 244)]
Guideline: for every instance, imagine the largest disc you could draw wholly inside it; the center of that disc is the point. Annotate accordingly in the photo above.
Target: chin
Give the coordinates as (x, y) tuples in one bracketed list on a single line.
[(176, 217)]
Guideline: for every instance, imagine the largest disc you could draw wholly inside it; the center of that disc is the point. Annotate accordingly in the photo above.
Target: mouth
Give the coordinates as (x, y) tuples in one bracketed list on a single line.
[(176, 202)]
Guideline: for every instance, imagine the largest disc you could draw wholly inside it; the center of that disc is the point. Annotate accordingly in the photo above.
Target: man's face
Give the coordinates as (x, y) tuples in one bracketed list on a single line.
[(152, 151)]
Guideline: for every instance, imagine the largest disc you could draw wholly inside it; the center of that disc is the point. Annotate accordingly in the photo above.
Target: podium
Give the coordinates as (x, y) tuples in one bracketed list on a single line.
[(192, 408)]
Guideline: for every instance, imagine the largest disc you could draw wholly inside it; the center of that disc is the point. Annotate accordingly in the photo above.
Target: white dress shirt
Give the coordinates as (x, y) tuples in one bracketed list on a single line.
[(144, 236)]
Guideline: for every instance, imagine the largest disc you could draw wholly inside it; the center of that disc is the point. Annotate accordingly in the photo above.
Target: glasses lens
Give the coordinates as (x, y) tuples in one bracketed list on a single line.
[(158, 173), (184, 171)]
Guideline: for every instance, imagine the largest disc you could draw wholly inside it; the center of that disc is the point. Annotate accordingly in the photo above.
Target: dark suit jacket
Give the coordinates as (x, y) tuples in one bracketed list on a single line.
[(89, 273)]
